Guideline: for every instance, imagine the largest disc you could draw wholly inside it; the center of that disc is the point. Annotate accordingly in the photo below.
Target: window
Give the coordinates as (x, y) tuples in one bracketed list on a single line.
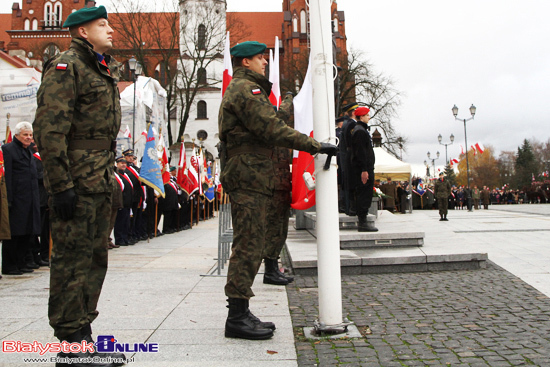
[(50, 51), (335, 24), (201, 76), (295, 24), (27, 25), (303, 22), (35, 24), (201, 110), (52, 14), (162, 73), (201, 39)]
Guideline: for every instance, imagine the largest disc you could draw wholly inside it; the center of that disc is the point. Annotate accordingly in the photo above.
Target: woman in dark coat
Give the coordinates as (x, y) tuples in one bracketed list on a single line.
[(23, 200)]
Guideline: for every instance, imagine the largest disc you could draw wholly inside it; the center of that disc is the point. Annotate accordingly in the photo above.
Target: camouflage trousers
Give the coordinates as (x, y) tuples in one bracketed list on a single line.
[(278, 215), (248, 211), (78, 263), (443, 205)]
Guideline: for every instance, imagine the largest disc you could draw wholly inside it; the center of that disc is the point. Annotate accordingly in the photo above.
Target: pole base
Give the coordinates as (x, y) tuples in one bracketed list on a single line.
[(321, 329), (348, 330)]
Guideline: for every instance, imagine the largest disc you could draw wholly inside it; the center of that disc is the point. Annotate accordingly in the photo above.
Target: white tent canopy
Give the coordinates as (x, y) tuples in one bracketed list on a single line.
[(388, 166)]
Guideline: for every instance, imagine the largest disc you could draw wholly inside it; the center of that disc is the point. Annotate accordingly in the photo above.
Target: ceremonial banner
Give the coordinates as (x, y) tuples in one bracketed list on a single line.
[(150, 173)]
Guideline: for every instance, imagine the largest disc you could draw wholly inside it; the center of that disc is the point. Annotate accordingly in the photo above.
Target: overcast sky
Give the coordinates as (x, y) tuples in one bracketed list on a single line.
[(492, 53)]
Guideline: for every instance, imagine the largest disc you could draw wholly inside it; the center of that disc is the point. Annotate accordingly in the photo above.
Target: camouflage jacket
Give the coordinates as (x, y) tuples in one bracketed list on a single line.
[(247, 119), (78, 101), (442, 189), (283, 156)]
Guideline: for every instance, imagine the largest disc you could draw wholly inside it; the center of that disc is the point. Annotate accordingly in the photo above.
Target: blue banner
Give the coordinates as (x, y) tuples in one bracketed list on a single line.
[(151, 173), (210, 193)]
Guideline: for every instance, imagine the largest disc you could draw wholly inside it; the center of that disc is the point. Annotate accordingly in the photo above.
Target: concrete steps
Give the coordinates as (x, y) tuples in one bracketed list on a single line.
[(382, 251)]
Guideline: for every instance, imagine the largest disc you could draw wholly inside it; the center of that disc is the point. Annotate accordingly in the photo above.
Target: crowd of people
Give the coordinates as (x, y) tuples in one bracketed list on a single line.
[(25, 229)]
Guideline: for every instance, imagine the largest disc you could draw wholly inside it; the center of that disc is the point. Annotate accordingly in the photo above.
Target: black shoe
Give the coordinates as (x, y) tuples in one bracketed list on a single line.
[(32, 265), (79, 336), (43, 262), (239, 324), (12, 272), (281, 274), (26, 270), (271, 276)]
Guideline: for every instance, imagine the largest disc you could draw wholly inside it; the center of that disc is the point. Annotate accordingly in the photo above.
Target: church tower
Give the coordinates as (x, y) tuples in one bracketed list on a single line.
[(202, 38)]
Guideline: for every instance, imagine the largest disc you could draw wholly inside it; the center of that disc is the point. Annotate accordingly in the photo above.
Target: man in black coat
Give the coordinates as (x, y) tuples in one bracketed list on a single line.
[(362, 162), (23, 199), (345, 157)]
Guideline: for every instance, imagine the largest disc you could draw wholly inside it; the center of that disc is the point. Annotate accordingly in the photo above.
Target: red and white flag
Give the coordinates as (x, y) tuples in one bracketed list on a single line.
[(193, 173), (127, 133), (479, 147), (163, 159), (181, 177), (302, 198), (461, 149), (274, 78), (227, 67), (454, 161), (474, 149)]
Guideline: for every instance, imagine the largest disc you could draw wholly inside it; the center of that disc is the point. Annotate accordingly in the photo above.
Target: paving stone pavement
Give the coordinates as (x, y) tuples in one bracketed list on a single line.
[(484, 317)]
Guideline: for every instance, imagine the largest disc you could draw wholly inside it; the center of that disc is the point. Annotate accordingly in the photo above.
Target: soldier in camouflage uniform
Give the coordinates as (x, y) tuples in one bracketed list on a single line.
[(278, 213), (77, 121), (249, 129), (442, 190)]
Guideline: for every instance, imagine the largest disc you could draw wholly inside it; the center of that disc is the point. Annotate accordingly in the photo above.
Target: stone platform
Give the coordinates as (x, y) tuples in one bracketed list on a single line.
[(384, 254)]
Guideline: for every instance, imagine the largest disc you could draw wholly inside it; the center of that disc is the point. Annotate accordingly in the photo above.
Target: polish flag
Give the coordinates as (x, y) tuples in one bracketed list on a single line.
[(461, 149), (181, 178), (227, 67), (474, 149), (479, 147), (192, 173), (302, 198), (275, 96), (163, 159), (127, 133), (454, 161)]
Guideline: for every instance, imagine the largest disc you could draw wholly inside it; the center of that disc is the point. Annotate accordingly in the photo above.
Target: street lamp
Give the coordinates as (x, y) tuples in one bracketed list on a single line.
[(135, 68), (439, 138), (433, 160), (472, 112)]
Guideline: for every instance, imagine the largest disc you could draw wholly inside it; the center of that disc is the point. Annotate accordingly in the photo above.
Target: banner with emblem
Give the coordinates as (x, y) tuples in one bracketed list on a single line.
[(151, 171)]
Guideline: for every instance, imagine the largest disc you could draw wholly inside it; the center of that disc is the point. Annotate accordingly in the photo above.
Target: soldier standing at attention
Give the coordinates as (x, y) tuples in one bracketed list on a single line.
[(278, 212), (442, 191), (362, 166), (249, 129), (77, 121)]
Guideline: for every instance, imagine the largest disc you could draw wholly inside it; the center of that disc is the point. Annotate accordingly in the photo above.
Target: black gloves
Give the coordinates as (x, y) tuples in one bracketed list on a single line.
[(64, 204), (327, 148)]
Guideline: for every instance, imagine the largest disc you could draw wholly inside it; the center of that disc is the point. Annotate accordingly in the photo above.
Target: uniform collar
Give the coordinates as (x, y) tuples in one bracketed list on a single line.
[(261, 80)]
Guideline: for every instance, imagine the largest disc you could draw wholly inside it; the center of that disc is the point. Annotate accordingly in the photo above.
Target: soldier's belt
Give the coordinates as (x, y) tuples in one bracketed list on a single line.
[(249, 149), (103, 144)]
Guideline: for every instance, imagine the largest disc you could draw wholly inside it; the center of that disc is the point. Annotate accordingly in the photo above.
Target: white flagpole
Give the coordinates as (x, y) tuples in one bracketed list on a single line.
[(328, 238)]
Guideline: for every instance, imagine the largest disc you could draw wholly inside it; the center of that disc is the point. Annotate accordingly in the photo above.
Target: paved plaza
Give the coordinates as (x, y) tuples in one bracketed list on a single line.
[(156, 293)]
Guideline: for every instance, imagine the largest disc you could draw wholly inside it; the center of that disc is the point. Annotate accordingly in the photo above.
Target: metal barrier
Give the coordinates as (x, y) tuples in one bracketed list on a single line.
[(225, 236)]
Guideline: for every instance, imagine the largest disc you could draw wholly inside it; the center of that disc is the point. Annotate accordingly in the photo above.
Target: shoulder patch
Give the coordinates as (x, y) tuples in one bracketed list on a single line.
[(256, 91), (61, 66)]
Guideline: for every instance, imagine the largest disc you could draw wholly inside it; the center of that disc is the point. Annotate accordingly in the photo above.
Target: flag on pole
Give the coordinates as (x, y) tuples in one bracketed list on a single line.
[(227, 67), (150, 173), (479, 147), (302, 198), (163, 159), (8, 135), (461, 149), (210, 193), (181, 177), (454, 161), (275, 96), (193, 173), (127, 133), (474, 149)]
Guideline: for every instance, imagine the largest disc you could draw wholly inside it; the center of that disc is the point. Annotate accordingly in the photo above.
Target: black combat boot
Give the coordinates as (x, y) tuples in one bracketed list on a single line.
[(239, 324), (264, 325), (113, 355), (73, 359), (362, 225), (271, 276), (281, 274)]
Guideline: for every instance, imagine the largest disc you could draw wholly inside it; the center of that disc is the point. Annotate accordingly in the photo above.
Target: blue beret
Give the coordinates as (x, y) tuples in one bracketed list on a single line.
[(248, 49), (85, 15)]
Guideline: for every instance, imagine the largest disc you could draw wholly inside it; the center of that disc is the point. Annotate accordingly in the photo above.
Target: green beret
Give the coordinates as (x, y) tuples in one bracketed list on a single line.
[(85, 15), (248, 49), (172, 169)]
